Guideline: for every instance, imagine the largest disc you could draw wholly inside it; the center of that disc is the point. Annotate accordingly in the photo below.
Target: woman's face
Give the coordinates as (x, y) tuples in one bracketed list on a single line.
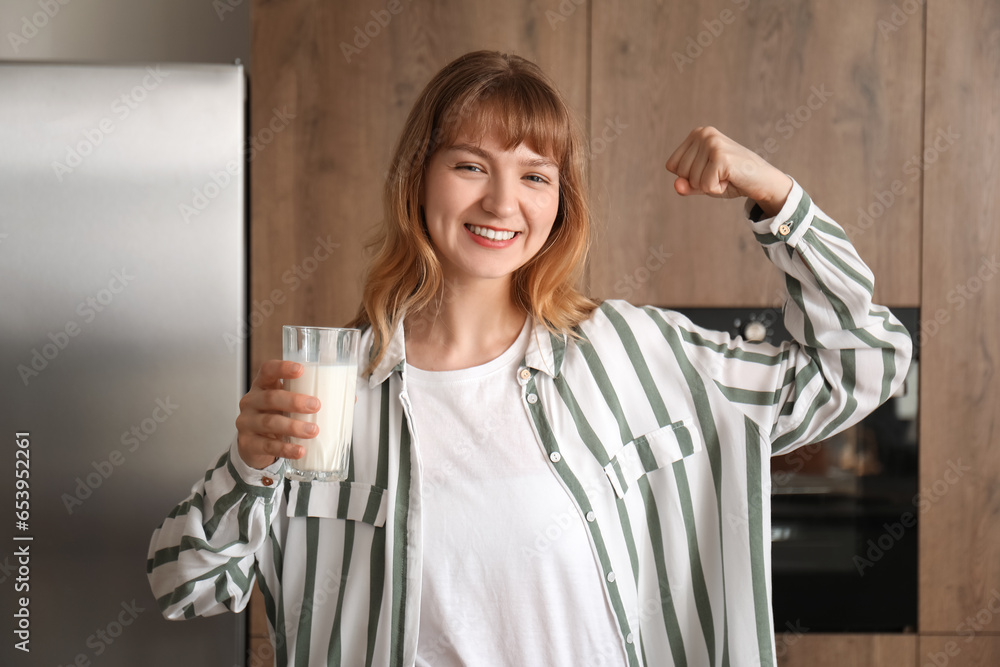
[(473, 192)]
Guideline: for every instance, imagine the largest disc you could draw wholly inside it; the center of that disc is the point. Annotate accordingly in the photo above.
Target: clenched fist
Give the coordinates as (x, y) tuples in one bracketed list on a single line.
[(710, 163)]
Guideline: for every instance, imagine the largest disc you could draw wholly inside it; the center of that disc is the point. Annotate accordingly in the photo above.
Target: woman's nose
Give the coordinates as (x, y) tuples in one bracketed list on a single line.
[(500, 197)]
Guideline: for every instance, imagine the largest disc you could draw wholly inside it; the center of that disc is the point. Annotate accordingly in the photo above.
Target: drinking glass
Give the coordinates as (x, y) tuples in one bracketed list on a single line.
[(330, 358)]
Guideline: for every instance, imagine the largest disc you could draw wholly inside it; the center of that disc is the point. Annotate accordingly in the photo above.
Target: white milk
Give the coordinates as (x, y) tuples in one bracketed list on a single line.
[(334, 386)]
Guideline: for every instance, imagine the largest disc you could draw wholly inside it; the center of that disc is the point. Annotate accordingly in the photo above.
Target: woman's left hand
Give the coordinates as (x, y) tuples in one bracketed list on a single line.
[(708, 162)]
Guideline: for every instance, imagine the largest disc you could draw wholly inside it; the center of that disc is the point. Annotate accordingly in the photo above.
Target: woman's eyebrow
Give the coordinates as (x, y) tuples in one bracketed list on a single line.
[(486, 155), (539, 162)]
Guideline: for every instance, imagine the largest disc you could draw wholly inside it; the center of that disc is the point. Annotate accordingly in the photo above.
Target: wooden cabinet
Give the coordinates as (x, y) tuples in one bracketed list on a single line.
[(835, 95), (959, 464), (346, 83), (959, 651), (340, 99), (816, 650), (261, 652), (810, 85)]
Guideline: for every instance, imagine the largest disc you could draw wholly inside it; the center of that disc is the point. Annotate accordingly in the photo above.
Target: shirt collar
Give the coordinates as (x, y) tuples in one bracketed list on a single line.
[(545, 353), (393, 359)]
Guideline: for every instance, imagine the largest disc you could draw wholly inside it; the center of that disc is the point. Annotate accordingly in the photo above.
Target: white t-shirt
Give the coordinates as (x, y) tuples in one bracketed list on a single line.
[(509, 576)]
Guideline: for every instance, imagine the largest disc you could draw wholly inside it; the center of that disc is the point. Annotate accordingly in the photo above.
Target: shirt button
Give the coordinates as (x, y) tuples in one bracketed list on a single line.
[(628, 638), (611, 576), (525, 374), (784, 230), (532, 398), (266, 481), (555, 457), (591, 516)]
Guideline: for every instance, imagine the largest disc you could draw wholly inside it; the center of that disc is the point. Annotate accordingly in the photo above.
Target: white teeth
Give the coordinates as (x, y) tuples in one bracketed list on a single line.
[(491, 234)]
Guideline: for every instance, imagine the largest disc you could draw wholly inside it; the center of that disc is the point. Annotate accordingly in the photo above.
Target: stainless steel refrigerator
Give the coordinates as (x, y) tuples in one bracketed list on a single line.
[(122, 360)]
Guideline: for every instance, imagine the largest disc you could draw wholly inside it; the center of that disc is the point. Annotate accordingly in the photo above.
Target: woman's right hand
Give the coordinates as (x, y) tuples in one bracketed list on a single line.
[(262, 427)]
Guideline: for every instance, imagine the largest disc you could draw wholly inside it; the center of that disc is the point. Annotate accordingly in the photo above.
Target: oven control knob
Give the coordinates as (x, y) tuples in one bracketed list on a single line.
[(754, 332)]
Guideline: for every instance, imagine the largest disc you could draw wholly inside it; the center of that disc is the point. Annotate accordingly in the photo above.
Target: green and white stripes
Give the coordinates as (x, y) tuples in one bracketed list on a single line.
[(659, 431)]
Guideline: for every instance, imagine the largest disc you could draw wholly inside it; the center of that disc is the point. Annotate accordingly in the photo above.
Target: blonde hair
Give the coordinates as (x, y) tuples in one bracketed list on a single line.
[(510, 98)]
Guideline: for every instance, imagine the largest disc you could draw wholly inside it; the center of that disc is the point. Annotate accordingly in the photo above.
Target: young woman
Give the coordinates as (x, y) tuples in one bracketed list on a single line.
[(536, 478)]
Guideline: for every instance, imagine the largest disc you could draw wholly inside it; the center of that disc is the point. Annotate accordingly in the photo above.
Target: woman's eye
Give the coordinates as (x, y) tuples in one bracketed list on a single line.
[(470, 167), (538, 179)]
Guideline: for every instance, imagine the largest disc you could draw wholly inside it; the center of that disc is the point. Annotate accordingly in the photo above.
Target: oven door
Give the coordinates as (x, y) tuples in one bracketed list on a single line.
[(844, 512)]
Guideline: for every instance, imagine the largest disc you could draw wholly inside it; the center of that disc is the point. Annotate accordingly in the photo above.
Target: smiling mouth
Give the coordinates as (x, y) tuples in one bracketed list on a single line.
[(491, 234)]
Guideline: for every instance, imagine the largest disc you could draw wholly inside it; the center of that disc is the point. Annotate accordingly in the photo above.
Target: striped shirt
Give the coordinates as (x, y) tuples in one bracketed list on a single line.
[(658, 431)]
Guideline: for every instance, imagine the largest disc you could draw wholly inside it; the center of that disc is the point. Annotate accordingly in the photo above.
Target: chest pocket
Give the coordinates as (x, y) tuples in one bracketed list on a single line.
[(650, 452), (354, 501)]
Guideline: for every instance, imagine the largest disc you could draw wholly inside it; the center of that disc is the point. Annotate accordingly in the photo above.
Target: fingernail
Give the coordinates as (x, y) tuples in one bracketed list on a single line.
[(312, 429), (312, 404)]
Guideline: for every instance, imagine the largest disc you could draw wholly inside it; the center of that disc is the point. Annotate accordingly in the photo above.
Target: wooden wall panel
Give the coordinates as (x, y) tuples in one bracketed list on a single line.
[(976, 650), (816, 650), (321, 176), (259, 643), (960, 432), (661, 69), (324, 128)]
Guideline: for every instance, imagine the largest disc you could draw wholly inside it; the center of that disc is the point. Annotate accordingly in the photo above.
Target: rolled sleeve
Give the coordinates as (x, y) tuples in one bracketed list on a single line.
[(264, 478), (789, 225)]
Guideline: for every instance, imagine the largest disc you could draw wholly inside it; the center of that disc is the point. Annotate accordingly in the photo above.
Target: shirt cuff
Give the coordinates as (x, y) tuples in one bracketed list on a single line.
[(265, 478), (790, 223)]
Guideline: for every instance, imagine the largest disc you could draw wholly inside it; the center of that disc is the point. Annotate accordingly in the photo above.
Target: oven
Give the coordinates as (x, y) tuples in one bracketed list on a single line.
[(845, 511)]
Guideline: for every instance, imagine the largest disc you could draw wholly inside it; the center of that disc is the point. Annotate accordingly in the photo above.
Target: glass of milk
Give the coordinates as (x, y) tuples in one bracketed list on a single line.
[(330, 357)]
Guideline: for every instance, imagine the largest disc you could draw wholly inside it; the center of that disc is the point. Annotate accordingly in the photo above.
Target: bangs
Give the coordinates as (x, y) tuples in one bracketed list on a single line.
[(516, 111), (483, 95)]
